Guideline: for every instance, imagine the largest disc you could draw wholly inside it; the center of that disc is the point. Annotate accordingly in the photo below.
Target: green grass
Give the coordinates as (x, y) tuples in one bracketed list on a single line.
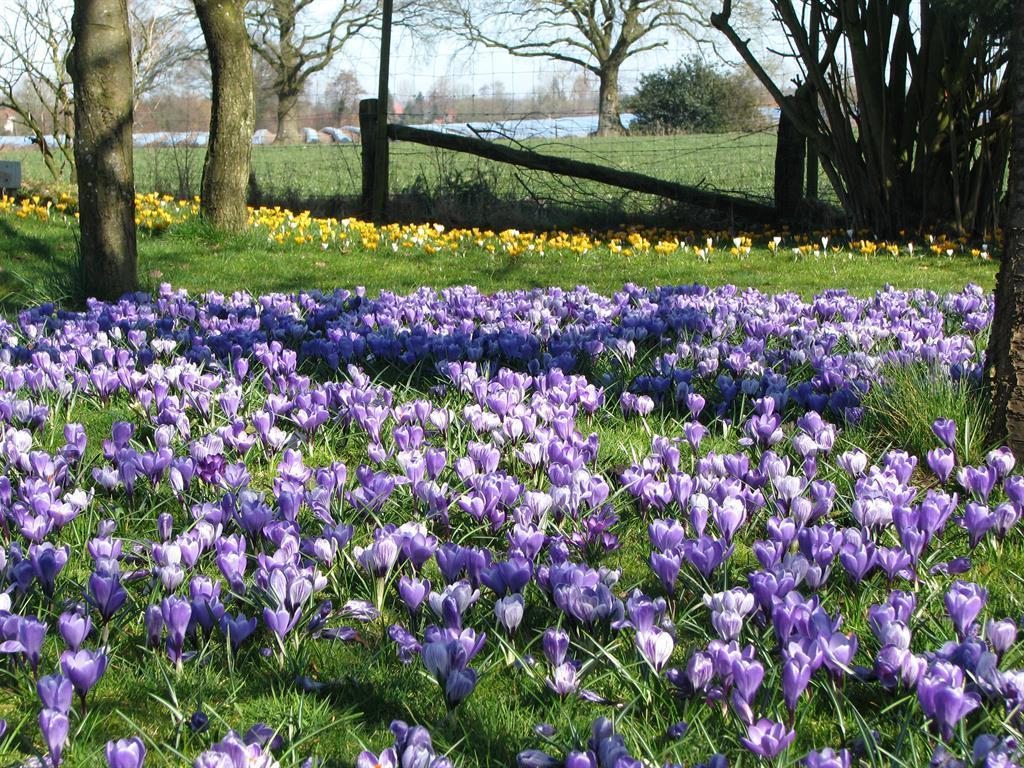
[(900, 412), (36, 258)]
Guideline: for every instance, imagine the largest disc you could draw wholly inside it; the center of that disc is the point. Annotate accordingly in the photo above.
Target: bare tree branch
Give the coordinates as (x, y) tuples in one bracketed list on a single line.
[(296, 43), (596, 35), (163, 41), (35, 40)]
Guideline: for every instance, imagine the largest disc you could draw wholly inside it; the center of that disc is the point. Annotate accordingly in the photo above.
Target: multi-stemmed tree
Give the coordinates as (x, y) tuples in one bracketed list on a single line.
[(904, 101), (35, 39)]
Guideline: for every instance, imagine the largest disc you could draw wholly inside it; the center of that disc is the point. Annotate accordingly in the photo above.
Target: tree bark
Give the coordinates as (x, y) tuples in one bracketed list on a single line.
[(287, 117), (100, 65), (1006, 343), (608, 121), (233, 117), (790, 154)]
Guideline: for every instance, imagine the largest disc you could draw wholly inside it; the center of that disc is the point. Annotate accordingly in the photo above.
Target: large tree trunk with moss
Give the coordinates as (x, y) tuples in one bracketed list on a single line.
[(609, 123), (101, 70), (287, 117), (1006, 345), (228, 157)]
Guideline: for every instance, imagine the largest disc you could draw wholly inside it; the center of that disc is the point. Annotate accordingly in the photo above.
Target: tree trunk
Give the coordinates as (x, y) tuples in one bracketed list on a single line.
[(1006, 344), (233, 117), (790, 153), (608, 121), (100, 65), (812, 152), (287, 117)]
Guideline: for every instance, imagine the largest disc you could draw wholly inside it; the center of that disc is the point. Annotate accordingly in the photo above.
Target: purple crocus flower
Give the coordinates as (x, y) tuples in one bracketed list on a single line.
[(28, 635), (509, 611), (47, 561), (977, 481), (413, 592), (380, 557), (747, 675), (796, 675), (943, 698), (54, 726), (458, 686), (942, 461), (767, 739), (106, 593), (126, 753), (176, 612), (706, 554), (828, 758), (556, 645), (945, 430), (74, 628), (238, 629), (84, 668), (656, 646), (964, 602), (1001, 635), (666, 567), (55, 692), (978, 520)]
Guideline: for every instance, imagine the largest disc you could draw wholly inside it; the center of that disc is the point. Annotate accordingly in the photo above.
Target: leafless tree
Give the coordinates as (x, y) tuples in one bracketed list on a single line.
[(164, 41), (342, 96), (35, 39), (297, 40), (597, 35)]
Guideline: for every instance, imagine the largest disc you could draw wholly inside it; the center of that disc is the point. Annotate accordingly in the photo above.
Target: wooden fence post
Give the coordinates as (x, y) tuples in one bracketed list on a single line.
[(368, 142)]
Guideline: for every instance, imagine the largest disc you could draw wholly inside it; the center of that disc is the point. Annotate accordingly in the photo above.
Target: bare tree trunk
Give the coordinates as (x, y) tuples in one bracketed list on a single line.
[(608, 120), (101, 70), (790, 154), (287, 117), (1006, 344), (228, 157)]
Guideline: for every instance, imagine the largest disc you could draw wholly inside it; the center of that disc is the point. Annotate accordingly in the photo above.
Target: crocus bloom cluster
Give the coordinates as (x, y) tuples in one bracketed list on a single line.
[(479, 511)]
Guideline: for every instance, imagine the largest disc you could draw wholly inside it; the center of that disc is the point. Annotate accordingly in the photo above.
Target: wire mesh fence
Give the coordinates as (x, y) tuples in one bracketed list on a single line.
[(548, 111)]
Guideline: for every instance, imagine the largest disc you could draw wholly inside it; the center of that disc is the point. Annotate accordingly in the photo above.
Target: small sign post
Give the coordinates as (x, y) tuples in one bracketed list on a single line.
[(10, 174)]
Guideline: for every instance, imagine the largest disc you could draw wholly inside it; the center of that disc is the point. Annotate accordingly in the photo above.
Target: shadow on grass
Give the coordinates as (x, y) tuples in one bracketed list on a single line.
[(379, 705), (33, 272)]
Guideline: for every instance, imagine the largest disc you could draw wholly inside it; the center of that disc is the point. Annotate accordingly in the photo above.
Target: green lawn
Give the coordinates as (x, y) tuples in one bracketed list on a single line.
[(36, 258)]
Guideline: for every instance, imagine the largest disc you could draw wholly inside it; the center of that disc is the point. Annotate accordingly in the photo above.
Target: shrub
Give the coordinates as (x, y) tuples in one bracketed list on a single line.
[(695, 96)]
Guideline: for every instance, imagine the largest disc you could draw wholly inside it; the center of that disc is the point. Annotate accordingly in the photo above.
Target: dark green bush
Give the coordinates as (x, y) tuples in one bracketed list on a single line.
[(698, 97)]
